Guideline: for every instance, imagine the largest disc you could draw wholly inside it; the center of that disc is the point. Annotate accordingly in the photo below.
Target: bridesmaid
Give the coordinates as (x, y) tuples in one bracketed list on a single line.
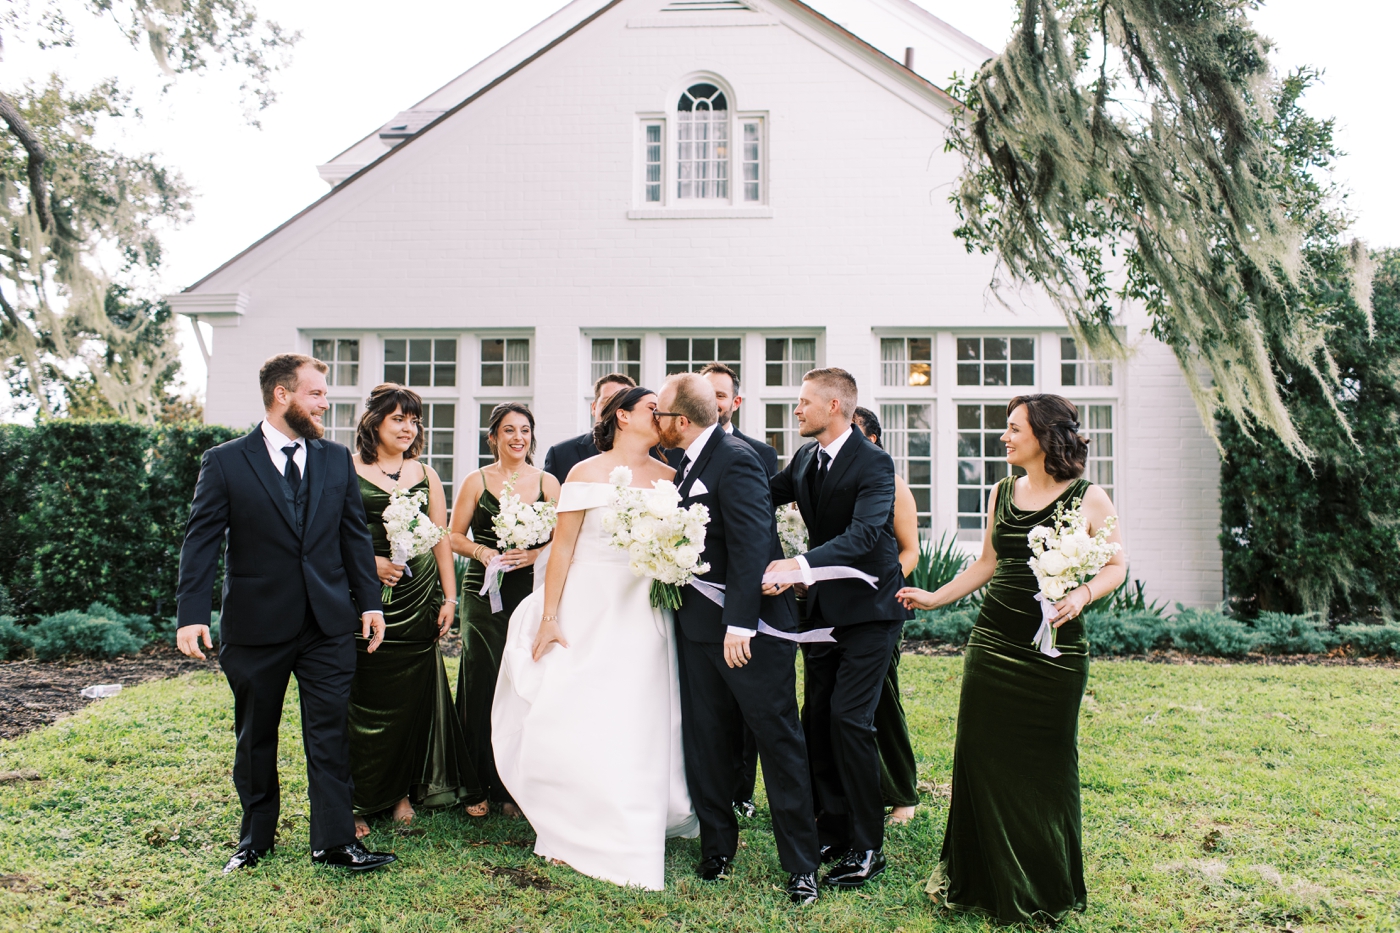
[(406, 743), (1012, 849), (511, 434), (899, 770)]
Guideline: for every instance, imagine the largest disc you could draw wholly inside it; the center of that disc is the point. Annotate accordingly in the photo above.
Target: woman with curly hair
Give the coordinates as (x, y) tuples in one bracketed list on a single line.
[(1012, 849)]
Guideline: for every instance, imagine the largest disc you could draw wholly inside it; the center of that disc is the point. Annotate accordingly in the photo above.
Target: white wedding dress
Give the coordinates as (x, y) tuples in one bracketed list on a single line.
[(588, 739)]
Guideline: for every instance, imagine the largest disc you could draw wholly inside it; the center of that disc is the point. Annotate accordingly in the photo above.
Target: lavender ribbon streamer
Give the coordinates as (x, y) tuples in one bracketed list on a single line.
[(492, 585), (1044, 640), (818, 574), (714, 592)]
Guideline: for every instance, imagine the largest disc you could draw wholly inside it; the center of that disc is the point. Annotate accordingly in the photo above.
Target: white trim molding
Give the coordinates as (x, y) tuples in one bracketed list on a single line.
[(215, 309)]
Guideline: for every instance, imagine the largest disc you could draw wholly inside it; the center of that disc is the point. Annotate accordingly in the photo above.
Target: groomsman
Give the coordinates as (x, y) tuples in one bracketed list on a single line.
[(844, 487), (565, 455), (300, 574), (731, 673)]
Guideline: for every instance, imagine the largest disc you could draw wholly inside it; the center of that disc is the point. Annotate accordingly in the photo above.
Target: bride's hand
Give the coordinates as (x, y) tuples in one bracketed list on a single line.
[(388, 571), (548, 636), (515, 557), (914, 598)]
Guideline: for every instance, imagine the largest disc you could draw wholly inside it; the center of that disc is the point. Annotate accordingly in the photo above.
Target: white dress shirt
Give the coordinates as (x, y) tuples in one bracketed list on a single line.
[(831, 450), (275, 441), (692, 452)]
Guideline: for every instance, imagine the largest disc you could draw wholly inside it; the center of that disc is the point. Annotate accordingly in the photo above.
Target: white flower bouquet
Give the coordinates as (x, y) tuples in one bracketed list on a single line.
[(1065, 556), (792, 531), (410, 532), (517, 525), (663, 541)]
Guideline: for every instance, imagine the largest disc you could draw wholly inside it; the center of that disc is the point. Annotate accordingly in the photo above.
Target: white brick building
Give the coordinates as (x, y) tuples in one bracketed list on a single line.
[(645, 185)]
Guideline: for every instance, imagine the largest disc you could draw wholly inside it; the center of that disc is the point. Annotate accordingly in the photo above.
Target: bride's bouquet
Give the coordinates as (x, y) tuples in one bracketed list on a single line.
[(1065, 556), (792, 531), (410, 532), (520, 525), (663, 541)]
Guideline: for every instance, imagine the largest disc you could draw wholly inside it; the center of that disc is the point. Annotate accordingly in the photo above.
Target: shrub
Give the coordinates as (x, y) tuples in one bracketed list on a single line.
[(1371, 640), (78, 633), (1114, 633), (1281, 633), (944, 626), (12, 641), (1209, 632)]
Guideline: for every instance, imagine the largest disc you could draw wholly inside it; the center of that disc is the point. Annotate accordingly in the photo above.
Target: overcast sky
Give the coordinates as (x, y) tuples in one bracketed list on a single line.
[(361, 61)]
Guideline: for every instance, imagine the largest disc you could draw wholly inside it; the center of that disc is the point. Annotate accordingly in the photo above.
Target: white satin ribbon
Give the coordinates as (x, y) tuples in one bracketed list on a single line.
[(714, 592), (492, 585), (818, 574), (1044, 640)]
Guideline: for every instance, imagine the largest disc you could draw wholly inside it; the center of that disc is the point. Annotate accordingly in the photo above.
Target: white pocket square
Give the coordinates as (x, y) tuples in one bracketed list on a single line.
[(698, 488)]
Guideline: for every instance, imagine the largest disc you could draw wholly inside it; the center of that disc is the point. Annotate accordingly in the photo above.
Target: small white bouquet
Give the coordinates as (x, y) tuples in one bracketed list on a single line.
[(410, 532), (792, 531), (663, 541), (520, 525), (1065, 556)]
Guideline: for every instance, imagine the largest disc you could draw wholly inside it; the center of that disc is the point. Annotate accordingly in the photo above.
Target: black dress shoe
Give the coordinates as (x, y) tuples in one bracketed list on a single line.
[(803, 888), (246, 857), (714, 868), (833, 853), (354, 857), (856, 869), (745, 808)]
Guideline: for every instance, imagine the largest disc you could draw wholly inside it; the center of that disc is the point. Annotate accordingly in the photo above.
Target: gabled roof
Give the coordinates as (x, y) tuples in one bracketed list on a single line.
[(521, 52)]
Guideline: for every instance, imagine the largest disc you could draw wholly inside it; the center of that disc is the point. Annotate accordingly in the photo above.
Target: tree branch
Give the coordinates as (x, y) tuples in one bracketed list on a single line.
[(25, 133)]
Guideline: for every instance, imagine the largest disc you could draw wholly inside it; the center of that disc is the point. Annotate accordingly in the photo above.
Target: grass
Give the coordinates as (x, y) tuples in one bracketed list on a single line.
[(1216, 797)]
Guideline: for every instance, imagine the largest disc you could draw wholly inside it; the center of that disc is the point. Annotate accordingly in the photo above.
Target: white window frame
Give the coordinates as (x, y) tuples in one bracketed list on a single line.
[(1008, 390), (507, 388), (433, 388), (594, 373), (894, 439), (792, 369)]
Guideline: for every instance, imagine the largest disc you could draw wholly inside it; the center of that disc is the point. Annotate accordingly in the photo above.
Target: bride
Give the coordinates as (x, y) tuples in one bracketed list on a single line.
[(586, 722)]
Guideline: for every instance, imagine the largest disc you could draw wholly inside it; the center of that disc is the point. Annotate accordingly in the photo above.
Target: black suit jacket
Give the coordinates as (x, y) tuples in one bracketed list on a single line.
[(766, 454), (851, 525), (565, 455), (740, 541), (272, 574)]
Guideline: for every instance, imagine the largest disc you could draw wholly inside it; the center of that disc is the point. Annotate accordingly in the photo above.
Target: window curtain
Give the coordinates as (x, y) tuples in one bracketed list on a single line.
[(517, 362)]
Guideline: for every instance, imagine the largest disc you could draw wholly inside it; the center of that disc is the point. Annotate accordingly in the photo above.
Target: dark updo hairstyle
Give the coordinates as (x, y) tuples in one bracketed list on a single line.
[(1055, 422), (868, 424), (498, 414), (385, 399), (605, 431)]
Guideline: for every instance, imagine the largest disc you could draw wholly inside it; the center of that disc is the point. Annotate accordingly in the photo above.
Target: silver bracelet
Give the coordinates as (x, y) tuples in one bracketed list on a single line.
[(452, 601)]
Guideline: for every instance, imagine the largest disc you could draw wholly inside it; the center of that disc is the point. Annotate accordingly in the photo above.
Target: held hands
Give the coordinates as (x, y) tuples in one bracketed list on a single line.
[(548, 636), (914, 598), (1071, 606), (736, 650), (389, 572), (445, 616), (779, 566), (373, 622), (188, 638)]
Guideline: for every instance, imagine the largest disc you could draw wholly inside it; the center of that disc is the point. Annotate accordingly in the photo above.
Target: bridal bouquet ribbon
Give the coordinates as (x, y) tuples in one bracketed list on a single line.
[(410, 532), (663, 541), (517, 524), (1065, 556)]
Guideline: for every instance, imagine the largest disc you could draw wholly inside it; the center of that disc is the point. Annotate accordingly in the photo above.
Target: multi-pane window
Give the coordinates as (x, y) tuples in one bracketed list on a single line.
[(484, 457), (996, 361), (780, 430), (751, 158), (505, 361), (786, 359), (617, 355), (651, 162), (906, 361), (1097, 425), (1077, 369), (687, 354), (702, 141), (421, 361), (342, 423), (439, 430), (907, 435), (981, 463), (343, 358)]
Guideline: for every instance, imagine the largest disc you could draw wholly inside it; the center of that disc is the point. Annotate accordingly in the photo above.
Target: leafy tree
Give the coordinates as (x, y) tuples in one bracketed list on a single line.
[(1124, 150), (73, 334)]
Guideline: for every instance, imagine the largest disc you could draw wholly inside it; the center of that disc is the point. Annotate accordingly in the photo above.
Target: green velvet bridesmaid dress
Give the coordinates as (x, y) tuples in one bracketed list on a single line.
[(483, 640), (1012, 847), (405, 737)]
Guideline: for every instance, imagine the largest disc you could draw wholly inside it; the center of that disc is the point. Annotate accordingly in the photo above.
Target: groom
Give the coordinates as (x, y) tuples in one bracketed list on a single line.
[(300, 561), (731, 674)]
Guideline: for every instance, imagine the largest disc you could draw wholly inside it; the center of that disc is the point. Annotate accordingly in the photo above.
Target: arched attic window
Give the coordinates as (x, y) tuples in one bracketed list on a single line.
[(702, 137)]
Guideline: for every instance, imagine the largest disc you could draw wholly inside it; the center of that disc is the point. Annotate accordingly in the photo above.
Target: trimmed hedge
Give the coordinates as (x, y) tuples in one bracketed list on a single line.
[(95, 511)]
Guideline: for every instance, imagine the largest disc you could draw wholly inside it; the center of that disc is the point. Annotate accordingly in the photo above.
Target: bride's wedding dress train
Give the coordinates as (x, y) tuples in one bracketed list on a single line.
[(588, 738)]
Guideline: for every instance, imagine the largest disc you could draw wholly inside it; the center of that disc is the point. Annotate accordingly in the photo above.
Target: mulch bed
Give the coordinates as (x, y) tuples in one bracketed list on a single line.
[(36, 693)]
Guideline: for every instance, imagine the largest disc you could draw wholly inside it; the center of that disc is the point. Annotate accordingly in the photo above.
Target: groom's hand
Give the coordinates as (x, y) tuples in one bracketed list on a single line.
[(187, 640), (736, 650), (373, 622), (779, 566)]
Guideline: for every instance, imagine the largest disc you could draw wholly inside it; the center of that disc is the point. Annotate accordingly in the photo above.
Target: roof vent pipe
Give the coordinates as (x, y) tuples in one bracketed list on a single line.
[(909, 57)]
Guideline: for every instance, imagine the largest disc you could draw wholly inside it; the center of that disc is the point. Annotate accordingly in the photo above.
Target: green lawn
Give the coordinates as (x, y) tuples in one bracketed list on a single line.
[(1215, 798)]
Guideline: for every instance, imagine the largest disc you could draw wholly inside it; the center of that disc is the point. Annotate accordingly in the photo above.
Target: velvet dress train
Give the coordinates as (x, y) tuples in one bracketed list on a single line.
[(405, 738), (1012, 849)]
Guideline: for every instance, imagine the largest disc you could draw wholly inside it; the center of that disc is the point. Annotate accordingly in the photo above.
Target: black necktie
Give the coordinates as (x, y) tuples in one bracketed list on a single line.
[(685, 465), (823, 460), (293, 474)]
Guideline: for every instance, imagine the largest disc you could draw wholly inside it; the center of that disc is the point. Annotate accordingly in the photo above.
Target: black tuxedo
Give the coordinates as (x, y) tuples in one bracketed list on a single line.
[(299, 573), (850, 522), (740, 540)]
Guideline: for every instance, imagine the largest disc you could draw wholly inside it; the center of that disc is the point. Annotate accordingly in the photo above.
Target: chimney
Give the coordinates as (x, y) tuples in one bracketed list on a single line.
[(909, 57)]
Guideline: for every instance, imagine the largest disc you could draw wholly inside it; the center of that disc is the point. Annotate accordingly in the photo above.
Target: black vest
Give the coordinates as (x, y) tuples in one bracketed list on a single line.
[(298, 501)]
